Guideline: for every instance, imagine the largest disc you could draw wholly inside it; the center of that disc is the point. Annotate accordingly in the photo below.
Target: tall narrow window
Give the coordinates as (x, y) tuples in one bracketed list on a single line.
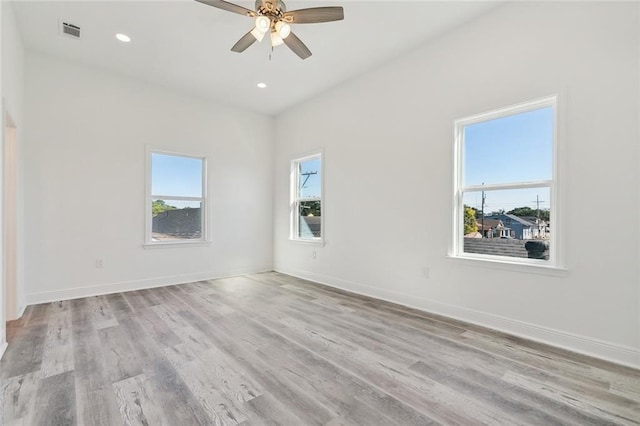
[(176, 208), (505, 184), (306, 198)]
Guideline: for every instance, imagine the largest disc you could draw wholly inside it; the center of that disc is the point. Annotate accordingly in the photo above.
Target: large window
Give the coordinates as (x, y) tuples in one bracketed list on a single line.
[(306, 198), (505, 184), (176, 200)]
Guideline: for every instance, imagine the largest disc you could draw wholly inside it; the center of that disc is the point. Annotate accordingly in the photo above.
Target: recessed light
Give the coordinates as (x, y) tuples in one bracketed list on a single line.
[(262, 85), (123, 38)]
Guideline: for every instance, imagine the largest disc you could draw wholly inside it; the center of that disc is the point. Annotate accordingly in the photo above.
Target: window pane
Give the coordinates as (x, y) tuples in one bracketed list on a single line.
[(176, 220), (309, 179), (176, 175), (515, 148), (309, 219), (511, 219)]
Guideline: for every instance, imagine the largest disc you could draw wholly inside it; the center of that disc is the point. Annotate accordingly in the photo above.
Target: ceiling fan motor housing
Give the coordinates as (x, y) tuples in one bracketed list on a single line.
[(274, 10)]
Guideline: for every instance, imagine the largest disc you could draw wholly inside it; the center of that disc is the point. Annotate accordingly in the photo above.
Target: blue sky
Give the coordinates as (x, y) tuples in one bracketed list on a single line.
[(517, 148), (312, 186), (177, 176)]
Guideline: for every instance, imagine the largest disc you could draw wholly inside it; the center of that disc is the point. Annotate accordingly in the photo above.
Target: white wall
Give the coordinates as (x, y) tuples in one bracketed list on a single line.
[(12, 98), (387, 138), (3, 329), (85, 182)]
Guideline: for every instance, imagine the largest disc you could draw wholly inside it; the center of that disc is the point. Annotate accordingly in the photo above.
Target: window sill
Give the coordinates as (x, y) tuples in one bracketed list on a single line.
[(161, 245), (506, 265), (319, 243)]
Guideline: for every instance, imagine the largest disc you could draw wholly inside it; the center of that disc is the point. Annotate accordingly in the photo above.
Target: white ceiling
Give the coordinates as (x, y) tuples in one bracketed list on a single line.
[(185, 45)]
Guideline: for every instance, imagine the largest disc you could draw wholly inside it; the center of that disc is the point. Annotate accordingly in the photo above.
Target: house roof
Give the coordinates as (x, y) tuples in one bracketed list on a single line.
[(489, 223), (533, 220), (514, 218)]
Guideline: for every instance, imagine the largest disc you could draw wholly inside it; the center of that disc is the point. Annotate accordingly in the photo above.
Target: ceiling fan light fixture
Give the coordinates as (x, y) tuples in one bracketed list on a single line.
[(283, 29), (276, 40), (263, 23)]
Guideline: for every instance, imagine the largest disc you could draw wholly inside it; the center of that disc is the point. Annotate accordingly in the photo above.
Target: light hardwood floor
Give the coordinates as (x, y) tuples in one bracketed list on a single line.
[(272, 349)]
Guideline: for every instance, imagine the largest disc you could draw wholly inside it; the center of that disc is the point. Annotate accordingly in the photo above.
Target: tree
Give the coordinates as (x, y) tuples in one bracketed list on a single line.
[(310, 208), (529, 212), (159, 206), (470, 223)]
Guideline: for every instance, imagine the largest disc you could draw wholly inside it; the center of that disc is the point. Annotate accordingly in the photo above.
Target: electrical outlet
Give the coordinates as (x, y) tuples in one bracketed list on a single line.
[(100, 263)]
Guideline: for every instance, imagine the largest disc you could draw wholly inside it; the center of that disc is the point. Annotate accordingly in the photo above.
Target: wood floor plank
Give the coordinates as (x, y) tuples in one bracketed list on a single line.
[(170, 318), (101, 314), (626, 415), (121, 362), (95, 402), (137, 404), (119, 305), (154, 327), (56, 401), (136, 300), (269, 349), (17, 401), (457, 360), (39, 314), (151, 296), (424, 395), (57, 354), (303, 406), (97, 407), (266, 410), (180, 406), (25, 354), (279, 345), (203, 384)]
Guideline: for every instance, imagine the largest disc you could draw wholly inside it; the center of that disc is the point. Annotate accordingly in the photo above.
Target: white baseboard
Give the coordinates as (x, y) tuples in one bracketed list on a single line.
[(21, 310), (581, 344), (3, 347), (108, 288)]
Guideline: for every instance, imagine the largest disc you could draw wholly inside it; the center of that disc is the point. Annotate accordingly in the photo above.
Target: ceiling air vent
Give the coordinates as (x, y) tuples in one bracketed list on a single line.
[(70, 29)]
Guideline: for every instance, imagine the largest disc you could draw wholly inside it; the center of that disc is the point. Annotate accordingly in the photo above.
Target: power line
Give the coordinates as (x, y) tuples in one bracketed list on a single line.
[(307, 175)]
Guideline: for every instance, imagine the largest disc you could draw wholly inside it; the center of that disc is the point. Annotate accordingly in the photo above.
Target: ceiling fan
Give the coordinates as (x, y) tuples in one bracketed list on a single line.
[(271, 17)]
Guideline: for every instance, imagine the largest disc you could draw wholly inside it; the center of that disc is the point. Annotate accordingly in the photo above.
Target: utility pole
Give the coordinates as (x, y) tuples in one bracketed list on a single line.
[(307, 175), (538, 201)]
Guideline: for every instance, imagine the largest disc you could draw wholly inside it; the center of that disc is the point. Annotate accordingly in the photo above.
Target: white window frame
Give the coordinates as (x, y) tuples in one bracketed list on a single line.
[(457, 246), (295, 199), (204, 213)]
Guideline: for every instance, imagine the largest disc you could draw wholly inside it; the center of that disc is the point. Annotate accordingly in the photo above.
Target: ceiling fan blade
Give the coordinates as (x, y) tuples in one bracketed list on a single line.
[(298, 47), (225, 5), (247, 40), (314, 15)]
